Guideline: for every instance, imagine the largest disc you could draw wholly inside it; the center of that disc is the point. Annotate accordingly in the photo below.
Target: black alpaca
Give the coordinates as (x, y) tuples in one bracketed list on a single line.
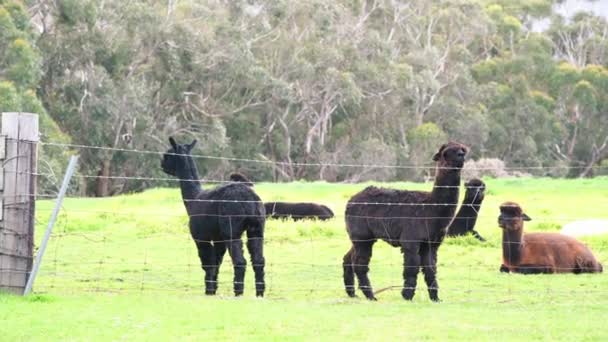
[(465, 219), (240, 178), (416, 221), (284, 210), (218, 218), (298, 211)]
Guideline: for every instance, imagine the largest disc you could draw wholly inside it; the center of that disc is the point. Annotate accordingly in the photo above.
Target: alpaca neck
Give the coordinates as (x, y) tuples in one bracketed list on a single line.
[(189, 182), (446, 187), (445, 194), (511, 246), (467, 215), (470, 209)]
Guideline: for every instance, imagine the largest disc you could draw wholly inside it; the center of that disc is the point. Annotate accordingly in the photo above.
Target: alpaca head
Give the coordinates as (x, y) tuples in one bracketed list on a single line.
[(476, 189), (240, 178), (512, 217), (451, 155), (176, 158)]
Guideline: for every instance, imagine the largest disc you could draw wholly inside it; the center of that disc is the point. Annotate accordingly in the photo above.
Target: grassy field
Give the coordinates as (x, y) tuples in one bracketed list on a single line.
[(125, 268)]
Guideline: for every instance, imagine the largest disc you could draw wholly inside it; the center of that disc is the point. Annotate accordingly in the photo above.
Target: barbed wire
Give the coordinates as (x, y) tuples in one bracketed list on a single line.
[(263, 161), (146, 276), (339, 266), (148, 213)]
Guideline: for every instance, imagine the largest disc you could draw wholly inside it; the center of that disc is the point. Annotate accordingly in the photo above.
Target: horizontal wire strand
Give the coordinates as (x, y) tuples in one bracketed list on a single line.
[(80, 146)]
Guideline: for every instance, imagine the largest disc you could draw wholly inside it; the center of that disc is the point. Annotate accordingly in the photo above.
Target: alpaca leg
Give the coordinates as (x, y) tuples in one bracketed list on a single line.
[(349, 273), (235, 248), (411, 267), (206, 254), (220, 251), (478, 236), (429, 268), (362, 255), (255, 246)]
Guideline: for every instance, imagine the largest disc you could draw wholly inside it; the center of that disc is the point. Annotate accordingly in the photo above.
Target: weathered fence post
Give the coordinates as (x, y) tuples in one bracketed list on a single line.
[(18, 165)]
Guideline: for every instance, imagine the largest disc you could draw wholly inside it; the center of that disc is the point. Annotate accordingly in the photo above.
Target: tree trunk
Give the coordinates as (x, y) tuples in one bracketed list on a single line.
[(102, 188)]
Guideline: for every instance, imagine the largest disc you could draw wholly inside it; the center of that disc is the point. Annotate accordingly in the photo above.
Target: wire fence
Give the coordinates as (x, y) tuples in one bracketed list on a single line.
[(283, 163), (305, 259)]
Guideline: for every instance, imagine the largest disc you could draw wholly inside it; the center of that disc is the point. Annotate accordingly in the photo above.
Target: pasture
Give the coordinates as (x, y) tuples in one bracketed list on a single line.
[(125, 268)]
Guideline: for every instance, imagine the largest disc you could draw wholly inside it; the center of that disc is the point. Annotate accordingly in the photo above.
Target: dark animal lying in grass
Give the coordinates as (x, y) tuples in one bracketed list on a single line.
[(416, 221), (298, 211), (540, 252), (285, 210), (240, 178), (465, 219), (218, 218)]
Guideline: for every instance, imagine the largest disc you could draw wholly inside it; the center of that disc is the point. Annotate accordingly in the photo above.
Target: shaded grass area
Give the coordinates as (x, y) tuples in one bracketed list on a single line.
[(125, 267)]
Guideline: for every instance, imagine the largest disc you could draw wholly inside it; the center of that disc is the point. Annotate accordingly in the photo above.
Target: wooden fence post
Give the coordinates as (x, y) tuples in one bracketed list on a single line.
[(18, 164)]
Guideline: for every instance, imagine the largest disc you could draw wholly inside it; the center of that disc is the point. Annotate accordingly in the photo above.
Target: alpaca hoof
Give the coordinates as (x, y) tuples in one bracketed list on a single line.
[(372, 298), (210, 292), (259, 293), (407, 294), (435, 299)]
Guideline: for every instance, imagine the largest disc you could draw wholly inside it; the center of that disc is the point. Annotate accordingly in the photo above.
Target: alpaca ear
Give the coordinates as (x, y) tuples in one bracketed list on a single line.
[(173, 143), (525, 217), (437, 155), (192, 144)]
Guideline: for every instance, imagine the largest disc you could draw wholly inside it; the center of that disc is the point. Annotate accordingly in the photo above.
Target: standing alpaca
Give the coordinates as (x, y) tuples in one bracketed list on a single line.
[(540, 252), (218, 218), (464, 221), (416, 221)]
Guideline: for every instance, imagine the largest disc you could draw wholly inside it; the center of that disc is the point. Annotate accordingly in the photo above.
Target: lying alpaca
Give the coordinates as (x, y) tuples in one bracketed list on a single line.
[(465, 220), (540, 252), (284, 210), (416, 221), (218, 218), (297, 211)]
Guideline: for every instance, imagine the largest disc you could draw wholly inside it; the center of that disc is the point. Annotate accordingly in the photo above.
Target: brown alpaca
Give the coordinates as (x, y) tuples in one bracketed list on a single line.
[(416, 221), (540, 252)]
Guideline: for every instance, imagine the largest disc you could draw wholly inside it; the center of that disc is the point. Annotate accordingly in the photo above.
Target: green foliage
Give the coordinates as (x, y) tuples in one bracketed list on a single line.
[(18, 14), (309, 82), (543, 99), (23, 64), (20, 71), (584, 94), (424, 141), (9, 98)]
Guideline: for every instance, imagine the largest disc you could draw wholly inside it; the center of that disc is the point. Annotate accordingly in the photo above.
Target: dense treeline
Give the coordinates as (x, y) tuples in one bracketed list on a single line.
[(355, 82)]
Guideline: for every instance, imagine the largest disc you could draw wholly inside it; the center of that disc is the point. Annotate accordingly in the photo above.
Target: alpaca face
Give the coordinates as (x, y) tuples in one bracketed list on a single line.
[(475, 189), (176, 157), (512, 216), (451, 155)]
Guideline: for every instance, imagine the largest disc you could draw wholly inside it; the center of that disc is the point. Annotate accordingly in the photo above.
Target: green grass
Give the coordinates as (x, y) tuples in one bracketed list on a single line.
[(125, 268)]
